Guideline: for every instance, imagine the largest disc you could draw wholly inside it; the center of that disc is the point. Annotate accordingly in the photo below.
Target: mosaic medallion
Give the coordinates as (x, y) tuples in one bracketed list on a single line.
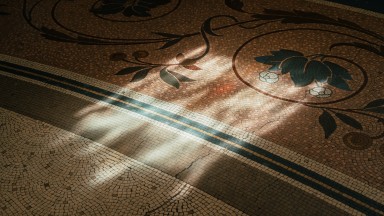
[(358, 141), (288, 74)]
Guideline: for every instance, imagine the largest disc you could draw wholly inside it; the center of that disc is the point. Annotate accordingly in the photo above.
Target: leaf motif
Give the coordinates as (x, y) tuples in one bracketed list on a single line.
[(339, 82), (191, 67), (167, 35), (312, 15), (304, 71), (108, 9), (296, 66), (235, 4), (181, 77), (169, 78), (264, 59), (140, 75), (328, 124), (320, 71), (206, 27), (277, 57), (376, 110), (141, 8), (52, 34), (285, 53), (278, 12), (338, 70), (375, 103), (130, 70), (138, 8), (349, 120), (170, 43)]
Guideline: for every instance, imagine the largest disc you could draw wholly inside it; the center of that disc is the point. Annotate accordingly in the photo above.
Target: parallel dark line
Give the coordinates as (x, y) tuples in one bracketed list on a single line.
[(275, 158)]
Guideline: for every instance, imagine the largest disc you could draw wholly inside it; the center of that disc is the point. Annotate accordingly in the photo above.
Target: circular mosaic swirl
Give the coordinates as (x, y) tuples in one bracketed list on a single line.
[(357, 140)]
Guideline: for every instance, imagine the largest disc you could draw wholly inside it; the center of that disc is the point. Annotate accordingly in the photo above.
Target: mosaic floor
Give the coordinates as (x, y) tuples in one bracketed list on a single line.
[(172, 107)]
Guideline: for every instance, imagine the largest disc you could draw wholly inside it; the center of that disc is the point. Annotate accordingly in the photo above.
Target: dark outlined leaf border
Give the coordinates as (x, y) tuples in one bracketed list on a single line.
[(139, 8)]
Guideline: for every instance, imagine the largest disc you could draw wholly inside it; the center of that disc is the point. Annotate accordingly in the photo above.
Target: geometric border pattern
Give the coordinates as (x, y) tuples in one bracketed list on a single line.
[(325, 185)]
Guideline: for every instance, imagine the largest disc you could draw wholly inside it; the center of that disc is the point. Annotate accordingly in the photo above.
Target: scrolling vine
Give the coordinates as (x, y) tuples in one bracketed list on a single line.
[(303, 69)]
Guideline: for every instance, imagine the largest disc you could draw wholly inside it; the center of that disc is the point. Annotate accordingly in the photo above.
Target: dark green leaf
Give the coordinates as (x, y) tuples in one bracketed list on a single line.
[(295, 66), (278, 12), (338, 70), (375, 103), (320, 71), (140, 75), (52, 34), (277, 57), (328, 124), (181, 77), (284, 53), (169, 78), (55, 33), (266, 16), (108, 9), (312, 15), (136, 11), (170, 43), (235, 4), (274, 68), (129, 70), (376, 110), (349, 121), (265, 59), (299, 78), (167, 35), (339, 82)]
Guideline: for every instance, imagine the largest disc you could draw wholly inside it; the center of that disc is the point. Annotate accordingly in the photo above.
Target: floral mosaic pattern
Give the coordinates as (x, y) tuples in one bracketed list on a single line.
[(303, 69), (140, 8)]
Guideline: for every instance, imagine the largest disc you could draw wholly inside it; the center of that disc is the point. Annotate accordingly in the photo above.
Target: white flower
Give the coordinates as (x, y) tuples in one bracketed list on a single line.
[(320, 92), (268, 77)]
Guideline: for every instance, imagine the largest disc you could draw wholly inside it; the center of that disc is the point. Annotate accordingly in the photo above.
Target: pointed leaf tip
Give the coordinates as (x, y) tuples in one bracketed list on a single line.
[(170, 43), (328, 123), (169, 78), (349, 121), (129, 70), (375, 103)]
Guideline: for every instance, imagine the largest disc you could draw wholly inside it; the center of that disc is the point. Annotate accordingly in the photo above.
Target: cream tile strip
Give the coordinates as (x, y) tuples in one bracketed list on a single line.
[(64, 173), (251, 138)]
